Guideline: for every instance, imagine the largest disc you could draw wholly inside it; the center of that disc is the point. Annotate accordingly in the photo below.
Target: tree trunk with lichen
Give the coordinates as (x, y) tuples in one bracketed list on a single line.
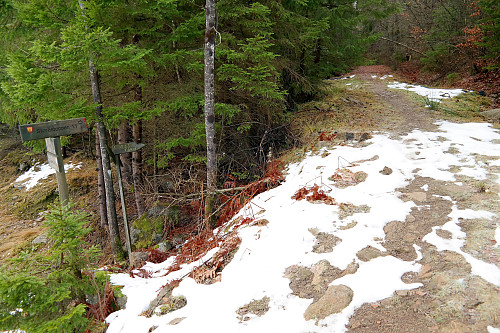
[(101, 193), (210, 37)]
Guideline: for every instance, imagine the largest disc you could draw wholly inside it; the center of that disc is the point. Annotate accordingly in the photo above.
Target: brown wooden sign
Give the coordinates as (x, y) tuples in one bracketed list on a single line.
[(52, 129)]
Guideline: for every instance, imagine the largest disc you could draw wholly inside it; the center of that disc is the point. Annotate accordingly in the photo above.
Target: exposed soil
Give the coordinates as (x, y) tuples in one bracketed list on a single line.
[(451, 298)]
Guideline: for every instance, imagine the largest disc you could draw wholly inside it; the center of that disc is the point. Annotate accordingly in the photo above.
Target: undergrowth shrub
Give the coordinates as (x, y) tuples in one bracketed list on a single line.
[(48, 291)]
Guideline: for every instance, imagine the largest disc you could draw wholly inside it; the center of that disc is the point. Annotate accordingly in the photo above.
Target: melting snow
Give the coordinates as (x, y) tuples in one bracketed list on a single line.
[(266, 251), (41, 171), (433, 94)]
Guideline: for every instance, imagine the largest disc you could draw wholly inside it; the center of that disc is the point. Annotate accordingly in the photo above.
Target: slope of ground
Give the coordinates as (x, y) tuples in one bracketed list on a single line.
[(394, 231)]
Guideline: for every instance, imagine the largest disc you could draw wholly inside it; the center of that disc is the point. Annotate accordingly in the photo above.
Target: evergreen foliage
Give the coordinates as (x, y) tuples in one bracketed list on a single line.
[(491, 24), (46, 291), (270, 55)]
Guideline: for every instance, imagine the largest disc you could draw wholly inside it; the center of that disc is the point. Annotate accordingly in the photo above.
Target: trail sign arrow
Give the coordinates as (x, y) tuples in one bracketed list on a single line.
[(128, 147)]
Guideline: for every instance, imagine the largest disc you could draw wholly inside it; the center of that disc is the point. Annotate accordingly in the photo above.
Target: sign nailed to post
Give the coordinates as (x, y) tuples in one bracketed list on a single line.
[(52, 129), (51, 132)]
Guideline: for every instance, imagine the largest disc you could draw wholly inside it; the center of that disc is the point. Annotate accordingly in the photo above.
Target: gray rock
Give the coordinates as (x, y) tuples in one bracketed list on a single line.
[(134, 234), (121, 301), (164, 246), (335, 299), (40, 239), (23, 166), (19, 186), (157, 238), (171, 212), (138, 259), (369, 253), (176, 321), (493, 115), (178, 239)]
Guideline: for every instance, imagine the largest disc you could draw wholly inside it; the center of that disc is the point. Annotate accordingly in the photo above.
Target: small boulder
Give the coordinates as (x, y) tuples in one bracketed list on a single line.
[(138, 259), (335, 299), (386, 171), (40, 239), (368, 253), (492, 115), (164, 246)]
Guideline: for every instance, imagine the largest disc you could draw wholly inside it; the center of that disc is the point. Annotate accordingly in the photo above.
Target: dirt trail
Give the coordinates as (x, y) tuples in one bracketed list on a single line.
[(451, 299), (404, 114)]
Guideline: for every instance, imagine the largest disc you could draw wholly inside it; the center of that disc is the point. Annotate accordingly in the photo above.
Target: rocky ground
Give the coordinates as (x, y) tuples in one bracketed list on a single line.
[(443, 304)]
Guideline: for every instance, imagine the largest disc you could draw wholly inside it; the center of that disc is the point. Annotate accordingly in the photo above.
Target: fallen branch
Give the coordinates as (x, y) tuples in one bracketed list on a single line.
[(195, 195), (404, 45)]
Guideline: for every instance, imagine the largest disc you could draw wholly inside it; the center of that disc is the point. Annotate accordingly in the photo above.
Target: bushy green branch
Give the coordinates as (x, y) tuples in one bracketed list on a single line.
[(46, 292)]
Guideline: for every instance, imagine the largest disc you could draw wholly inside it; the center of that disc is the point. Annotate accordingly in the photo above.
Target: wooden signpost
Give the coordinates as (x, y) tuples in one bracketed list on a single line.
[(51, 131), (123, 148)]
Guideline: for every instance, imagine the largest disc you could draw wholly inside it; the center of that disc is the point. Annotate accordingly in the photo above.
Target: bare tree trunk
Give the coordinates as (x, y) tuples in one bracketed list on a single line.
[(137, 172), (137, 168), (114, 233), (126, 159), (210, 34), (100, 185), (317, 52)]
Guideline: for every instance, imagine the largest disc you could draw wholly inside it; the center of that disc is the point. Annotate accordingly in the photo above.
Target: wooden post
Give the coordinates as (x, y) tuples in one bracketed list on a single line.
[(124, 209), (54, 155), (117, 150)]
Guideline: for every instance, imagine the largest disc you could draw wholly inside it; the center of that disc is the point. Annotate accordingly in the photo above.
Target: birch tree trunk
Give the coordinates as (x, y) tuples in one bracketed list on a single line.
[(210, 37)]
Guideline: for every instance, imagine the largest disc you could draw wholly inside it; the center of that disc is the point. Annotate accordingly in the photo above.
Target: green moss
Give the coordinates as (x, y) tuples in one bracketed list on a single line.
[(466, 106), (149, 228), (117, 291), (174, 303)]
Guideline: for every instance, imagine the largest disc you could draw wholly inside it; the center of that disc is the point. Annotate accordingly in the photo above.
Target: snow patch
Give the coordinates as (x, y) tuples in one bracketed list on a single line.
[(41, 171), (433, 94)]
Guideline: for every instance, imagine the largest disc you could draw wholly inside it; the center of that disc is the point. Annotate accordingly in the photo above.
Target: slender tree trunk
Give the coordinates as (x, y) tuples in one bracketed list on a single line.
[(210, 36), (137, 168), (114, 233), (137, 164), (317, 52), (100, 185), (126, 159)]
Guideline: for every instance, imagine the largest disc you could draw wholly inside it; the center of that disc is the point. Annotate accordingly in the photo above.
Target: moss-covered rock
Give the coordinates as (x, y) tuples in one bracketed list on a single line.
[(147, 231)]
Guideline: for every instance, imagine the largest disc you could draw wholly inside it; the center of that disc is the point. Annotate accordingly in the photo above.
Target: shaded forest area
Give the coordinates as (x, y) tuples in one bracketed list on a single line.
[(147, 59)]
